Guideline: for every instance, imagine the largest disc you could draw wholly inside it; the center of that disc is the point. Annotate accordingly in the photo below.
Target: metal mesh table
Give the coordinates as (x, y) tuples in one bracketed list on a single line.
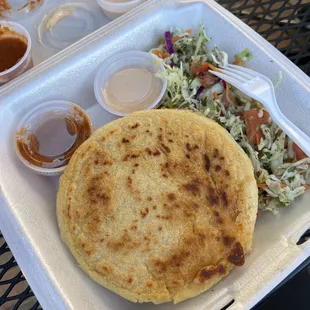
[(15, 292), (284, 23)]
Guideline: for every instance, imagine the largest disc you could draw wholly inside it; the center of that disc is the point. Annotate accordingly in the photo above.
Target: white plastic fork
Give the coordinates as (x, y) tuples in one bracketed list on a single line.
[(259, 87)]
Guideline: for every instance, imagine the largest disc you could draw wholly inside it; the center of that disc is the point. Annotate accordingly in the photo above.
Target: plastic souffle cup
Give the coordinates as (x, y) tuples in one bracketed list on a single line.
[(48, 135), (126, 60), (114, 9), (25, 62)]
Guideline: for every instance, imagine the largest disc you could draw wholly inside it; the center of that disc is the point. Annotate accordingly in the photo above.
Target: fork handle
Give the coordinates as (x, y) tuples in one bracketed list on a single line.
[(297, 135)]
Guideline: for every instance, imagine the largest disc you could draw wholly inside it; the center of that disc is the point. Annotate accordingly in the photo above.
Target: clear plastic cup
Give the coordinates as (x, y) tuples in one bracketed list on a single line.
[(65, 24), (48, 135), (116, 9), (118, 62), (25, 62)]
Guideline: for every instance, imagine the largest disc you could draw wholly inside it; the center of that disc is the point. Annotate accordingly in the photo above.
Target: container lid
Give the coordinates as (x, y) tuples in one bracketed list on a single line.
[(121, 73), (119, 6), (66, 24), (49, 134), (18, 9)]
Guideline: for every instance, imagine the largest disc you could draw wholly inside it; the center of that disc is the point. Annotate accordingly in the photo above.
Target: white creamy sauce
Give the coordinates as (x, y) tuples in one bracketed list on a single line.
[(131, 89)]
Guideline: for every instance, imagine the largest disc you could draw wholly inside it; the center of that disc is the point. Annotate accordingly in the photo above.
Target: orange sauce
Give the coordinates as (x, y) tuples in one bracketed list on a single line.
[(54, 141), (13, 46), (12, 49)]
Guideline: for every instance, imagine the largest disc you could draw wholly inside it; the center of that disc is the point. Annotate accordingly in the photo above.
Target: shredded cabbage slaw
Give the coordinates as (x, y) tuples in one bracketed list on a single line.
[(281, 168)]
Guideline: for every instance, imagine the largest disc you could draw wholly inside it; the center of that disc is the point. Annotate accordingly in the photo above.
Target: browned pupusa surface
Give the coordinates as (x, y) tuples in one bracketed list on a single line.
[(158, 206)]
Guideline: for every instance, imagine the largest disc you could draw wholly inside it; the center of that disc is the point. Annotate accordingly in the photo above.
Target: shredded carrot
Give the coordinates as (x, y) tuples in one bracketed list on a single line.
[(175, 38), (257, 139), (214, 68), (227, 93), (202, 67), (239, 62), (261, 185), (215, 96), (160, 54), (258, 213)]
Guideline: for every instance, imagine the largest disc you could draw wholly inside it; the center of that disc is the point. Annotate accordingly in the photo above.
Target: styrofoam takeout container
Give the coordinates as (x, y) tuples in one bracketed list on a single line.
[(27, 208), (25, 62), (121, 61), (116, 9)]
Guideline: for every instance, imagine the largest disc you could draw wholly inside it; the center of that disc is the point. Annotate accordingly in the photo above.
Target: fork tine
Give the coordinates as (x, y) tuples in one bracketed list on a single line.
[(245, 70), (227, 78), (237, 76), (235, 71)]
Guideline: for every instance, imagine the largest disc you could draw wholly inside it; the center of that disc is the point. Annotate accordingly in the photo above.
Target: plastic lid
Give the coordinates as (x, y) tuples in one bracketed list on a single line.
[(18, 9), (66, 24), (48, 135), (123, 63), (119, 6)]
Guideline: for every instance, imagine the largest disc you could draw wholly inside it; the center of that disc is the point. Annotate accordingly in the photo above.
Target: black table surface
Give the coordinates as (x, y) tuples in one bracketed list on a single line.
[(285, 24)]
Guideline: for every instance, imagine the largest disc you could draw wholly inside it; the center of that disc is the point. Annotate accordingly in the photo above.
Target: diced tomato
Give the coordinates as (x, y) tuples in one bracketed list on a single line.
[(253, 123), (197, 67), (299, 152)]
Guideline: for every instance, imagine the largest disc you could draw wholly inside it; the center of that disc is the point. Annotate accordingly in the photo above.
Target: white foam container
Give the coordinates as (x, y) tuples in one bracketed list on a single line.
[(114, 10), (27, 201)]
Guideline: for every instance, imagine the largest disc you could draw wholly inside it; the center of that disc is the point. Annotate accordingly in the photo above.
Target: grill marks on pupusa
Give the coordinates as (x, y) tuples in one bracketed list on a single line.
[(155, 204)]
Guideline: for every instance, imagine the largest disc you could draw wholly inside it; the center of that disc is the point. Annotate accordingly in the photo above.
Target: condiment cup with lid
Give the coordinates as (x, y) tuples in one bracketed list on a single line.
[(15, 40), (115, 8), (48, 135), (130, 81)]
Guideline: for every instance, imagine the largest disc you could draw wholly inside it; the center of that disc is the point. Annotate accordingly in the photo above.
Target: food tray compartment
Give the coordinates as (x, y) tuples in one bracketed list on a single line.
[(27, 201)]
